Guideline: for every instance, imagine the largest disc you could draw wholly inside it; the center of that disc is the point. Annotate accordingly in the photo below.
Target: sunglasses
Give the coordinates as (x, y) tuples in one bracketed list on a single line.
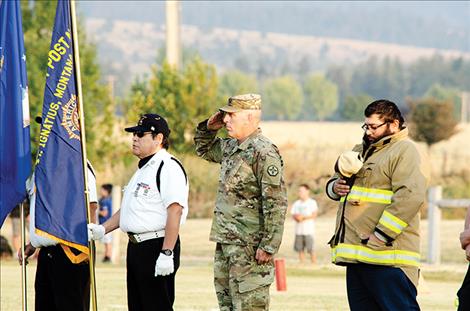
[(141, 134)]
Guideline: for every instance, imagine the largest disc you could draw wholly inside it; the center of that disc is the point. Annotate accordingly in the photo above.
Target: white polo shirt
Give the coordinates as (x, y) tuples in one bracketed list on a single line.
[(305, 208), (143, 207), (40, 241)]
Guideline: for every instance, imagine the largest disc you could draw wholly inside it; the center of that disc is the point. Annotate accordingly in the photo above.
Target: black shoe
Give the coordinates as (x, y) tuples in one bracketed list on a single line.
[(106, 259)]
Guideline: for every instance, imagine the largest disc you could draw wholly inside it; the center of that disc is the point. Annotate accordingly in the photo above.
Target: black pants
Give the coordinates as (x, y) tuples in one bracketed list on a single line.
[(146, 292), (464, 293), (379, 288), (60, 284)]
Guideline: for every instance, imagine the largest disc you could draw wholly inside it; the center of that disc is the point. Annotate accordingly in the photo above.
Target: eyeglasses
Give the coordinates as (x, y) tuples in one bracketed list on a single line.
[(140, 134), (372, 127)]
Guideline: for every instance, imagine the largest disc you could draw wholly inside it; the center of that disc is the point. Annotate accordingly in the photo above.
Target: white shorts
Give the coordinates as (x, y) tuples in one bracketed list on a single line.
[(107, 239)]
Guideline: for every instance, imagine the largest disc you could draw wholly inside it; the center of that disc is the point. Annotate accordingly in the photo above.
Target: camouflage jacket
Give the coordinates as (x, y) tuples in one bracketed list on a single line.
[(251, 198)]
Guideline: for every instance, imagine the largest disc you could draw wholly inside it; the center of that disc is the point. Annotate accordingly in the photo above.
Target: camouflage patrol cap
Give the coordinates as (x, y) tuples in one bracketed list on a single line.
[(243, 102)]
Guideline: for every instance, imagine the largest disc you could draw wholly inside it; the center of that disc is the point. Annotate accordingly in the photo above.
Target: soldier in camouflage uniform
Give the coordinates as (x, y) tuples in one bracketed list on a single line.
[(251, 203)]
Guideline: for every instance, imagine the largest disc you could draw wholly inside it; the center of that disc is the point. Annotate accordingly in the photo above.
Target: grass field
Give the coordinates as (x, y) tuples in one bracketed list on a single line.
[(319, 287)]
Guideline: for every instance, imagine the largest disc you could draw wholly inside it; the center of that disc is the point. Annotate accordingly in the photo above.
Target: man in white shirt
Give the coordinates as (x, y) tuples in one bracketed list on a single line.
[(304, 211), (154, 204)]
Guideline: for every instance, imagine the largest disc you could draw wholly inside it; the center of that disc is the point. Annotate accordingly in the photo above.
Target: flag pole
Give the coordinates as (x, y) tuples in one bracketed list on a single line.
[(24, 297), (81, 117)]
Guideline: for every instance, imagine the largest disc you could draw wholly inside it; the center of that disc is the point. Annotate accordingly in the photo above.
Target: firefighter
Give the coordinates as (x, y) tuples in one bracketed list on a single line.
[(377, 233)]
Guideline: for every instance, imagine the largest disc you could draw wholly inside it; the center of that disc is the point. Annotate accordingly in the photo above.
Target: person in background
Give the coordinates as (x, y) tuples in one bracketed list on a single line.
[(304, 211), (104, 213)]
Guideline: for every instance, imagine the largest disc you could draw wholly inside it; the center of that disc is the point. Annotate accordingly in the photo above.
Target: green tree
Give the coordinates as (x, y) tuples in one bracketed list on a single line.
[(442, 93), (235, 82), (303, 67), (340, 76), (354, 107), (187, 56), (380, 78), (431, 120), (110, 145), (38, 20), (321, 97), (243, 63), (182, 97), (282, 98)]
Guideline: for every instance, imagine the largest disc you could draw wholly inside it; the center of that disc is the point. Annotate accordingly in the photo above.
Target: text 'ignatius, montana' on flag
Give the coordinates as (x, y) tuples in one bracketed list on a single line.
[(60, 198)]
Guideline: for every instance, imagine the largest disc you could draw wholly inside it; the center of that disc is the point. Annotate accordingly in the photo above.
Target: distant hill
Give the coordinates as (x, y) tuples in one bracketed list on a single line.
[(276, 37), (432, 24)]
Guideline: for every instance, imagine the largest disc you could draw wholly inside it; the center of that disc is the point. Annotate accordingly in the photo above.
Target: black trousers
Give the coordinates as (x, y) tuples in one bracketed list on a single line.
[(379, 288), (146, 292), (61, 285), (464, 293)]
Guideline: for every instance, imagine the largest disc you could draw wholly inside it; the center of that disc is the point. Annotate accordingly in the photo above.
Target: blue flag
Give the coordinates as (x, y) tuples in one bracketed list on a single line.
[(60, 198), (15, 146)]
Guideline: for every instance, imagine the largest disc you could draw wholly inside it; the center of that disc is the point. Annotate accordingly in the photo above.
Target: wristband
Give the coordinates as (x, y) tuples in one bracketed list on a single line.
[(380, 237)]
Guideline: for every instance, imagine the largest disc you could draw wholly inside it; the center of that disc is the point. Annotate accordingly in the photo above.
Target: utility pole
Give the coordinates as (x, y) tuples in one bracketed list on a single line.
[(465, 97), (111, 80), (173, 40)]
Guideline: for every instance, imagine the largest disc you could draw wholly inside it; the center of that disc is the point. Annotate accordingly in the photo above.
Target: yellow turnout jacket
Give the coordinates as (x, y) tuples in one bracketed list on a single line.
[(386, 197)]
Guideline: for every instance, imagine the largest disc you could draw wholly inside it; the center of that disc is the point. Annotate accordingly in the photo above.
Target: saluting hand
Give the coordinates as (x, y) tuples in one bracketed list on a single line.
[(216, 121)]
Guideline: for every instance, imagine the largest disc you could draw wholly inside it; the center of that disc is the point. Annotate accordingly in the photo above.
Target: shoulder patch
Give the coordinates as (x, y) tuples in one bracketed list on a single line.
[(272, 170)]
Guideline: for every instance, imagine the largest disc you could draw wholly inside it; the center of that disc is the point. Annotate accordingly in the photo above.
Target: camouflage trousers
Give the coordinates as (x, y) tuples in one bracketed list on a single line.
[(240, 282)]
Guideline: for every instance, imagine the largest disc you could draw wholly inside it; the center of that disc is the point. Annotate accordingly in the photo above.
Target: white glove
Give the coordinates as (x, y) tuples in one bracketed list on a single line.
[(164, 265), (95, 232)]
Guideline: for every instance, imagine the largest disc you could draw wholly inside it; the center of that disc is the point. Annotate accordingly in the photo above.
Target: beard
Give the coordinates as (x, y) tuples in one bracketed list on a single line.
[(369, 139)]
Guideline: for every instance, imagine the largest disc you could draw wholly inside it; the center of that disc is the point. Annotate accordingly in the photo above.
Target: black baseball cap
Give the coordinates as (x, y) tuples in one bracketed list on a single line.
[(150, 122)]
